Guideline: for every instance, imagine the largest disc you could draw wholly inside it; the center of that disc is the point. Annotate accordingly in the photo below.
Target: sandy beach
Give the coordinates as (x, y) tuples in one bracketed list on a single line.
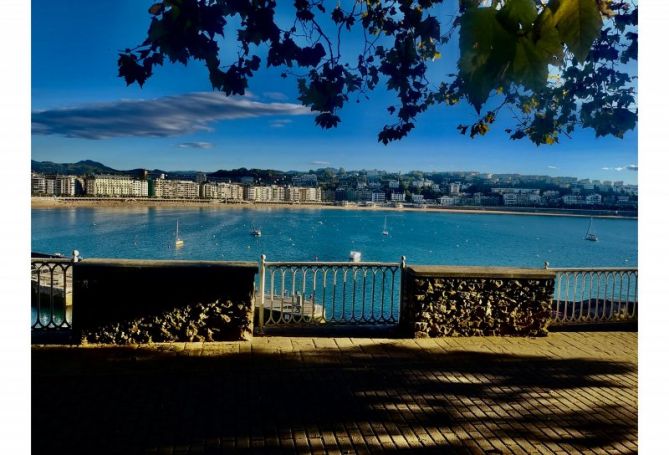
[(54, 202)]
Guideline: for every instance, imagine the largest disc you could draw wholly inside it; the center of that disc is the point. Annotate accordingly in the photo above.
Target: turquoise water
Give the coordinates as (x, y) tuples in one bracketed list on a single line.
[(329, 235)]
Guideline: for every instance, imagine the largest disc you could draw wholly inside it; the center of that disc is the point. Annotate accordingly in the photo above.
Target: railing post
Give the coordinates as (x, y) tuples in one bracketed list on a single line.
[(403, 266), (261, 308)]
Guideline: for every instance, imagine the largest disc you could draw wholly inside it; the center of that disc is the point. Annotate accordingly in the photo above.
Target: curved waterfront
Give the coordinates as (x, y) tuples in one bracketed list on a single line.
[(329, 235)]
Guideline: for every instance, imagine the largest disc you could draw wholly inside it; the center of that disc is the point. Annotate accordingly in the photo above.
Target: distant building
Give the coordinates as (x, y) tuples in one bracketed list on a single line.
[(66, 185), (593, 199), (305, 180), (200, 177), (397, 197), (454, 188), (510, 198), (258, 193), (50, 186), (116, 186), (176, 189), (393, 184), (448, 200), (571, 199), (417, 198), (222, 191), (37, 184), (378, 197)]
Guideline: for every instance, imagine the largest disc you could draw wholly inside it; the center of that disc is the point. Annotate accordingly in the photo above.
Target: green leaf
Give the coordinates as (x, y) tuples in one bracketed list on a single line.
[(486, 52), (530, 65), (518, 14), (578, 22)]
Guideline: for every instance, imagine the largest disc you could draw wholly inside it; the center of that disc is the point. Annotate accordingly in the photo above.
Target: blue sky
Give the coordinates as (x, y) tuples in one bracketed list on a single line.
[(176, 122)]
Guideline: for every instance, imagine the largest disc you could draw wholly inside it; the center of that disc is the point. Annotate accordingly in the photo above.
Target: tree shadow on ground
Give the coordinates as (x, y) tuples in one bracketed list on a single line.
[(122, 400)]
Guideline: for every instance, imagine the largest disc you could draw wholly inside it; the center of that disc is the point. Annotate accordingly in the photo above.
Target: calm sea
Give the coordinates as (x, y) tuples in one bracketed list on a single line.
[(330, 235)]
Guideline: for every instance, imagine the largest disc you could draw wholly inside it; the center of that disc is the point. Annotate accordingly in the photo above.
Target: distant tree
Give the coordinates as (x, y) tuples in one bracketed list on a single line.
[(557, 64)]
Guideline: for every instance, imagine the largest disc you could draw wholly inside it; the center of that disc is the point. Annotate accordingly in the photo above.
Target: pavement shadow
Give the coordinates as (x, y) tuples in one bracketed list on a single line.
[(124, 400)]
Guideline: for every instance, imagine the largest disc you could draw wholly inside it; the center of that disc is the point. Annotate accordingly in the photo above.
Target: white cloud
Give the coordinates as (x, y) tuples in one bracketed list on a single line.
[(276, 96), (552, 167), (320, 163), (161, 117), (280, 123), (196, 145), (629, 167)]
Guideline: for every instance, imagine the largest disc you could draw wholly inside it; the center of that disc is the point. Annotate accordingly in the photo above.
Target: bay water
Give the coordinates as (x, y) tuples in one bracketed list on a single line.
[(330, 235)]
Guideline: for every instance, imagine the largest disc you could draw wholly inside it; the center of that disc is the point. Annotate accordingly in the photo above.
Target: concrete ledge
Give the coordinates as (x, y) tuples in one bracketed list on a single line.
[(438, 271), (139, 301)]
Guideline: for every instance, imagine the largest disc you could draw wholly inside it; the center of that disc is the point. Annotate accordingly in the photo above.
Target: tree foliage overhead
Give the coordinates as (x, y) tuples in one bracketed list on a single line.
[(556, 65)]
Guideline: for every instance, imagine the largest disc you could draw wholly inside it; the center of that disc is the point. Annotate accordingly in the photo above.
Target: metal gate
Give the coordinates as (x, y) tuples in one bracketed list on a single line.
[(328, 293)]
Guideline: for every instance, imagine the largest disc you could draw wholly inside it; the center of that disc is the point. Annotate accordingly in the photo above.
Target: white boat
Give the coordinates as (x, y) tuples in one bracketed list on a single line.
[(590, 235), (385, 227), (256, 232), (355, 256), (177, 241)]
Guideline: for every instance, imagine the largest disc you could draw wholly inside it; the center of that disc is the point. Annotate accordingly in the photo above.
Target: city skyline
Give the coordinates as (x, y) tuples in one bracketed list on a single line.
[(325, 165), (83, 110)]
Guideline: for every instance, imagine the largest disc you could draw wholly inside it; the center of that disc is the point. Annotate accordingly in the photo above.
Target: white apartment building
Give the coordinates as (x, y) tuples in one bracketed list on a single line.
[(37, 184), (224, 191), (378, 197), (50, 186), (522, 199), (417, 198), (571, 199), (397, 197), (116, 186), (448, 200), (66, 186), (278, 193), (258, 193), (292, 194), (176, 189), (310, 194), (454, 188), (593, 199), (510, 198), (393, 184)]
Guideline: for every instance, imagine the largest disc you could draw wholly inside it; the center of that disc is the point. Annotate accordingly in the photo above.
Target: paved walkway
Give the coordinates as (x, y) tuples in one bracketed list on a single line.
[(566, 393)]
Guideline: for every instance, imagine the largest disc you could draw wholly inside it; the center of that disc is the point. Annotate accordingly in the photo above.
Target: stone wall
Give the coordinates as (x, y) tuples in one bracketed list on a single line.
[(473, 301), (137, 301)]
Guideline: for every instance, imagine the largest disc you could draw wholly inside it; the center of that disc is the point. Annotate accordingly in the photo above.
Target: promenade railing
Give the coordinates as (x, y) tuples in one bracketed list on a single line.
[(364, 293), (332, 293), (595, 295), (51, 294)]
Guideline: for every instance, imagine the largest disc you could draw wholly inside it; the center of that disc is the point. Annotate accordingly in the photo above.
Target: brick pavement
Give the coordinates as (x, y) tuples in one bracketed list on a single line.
[(566, 393)]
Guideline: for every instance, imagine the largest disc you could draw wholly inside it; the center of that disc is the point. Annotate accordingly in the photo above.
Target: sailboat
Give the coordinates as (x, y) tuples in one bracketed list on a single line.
[(590, 235), (178, 242), (385, 227)]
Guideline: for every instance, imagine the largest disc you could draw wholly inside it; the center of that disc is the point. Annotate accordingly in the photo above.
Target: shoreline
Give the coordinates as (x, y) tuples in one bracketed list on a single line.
[(53, 202)]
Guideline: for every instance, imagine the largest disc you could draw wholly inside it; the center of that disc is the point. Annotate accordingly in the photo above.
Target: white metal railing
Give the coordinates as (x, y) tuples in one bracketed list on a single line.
[(317, 293), (51, 294), (592, 295)]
